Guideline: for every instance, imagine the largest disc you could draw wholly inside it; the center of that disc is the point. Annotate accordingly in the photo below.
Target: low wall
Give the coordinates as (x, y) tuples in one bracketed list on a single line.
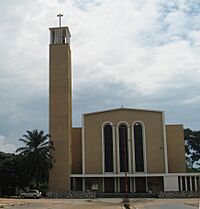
[(179, 195), (122, 195), (72, 195), (92, 195)]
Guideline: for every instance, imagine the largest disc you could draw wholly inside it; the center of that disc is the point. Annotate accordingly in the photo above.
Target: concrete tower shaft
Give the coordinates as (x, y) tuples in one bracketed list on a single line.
[(60, 107)]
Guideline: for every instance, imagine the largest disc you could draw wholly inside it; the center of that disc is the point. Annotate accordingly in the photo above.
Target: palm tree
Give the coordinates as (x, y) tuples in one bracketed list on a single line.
[(37, 159)]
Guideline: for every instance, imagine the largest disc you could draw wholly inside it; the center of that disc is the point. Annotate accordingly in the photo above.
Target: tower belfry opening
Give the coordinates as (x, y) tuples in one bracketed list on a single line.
[(60, 35)]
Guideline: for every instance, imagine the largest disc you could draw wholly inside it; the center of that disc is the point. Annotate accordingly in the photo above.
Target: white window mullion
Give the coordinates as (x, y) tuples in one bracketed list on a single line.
[(115, 184), (186, 188), (190, 183), (181, 183), (131, 184), (83, 184), (195, 183)]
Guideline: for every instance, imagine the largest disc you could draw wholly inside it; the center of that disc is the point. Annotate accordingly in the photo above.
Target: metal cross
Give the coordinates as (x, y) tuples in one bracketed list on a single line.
[(60, 16)]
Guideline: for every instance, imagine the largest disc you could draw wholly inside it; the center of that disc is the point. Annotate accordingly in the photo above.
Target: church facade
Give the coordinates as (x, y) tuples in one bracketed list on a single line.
[(114, 150)]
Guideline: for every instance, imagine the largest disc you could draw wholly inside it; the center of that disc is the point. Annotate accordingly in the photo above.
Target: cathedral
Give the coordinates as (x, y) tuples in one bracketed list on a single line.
[(113, 148)]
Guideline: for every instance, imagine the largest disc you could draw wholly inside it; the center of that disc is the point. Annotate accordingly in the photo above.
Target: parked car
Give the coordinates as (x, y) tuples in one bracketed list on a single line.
[(31, 194)]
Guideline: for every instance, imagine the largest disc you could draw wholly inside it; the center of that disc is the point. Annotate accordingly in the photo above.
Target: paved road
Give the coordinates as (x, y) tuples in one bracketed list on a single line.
[(98, 204), (61, 204), (171, 206)]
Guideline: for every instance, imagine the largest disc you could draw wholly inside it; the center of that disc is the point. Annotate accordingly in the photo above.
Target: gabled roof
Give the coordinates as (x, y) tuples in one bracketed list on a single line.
[(122, 108)]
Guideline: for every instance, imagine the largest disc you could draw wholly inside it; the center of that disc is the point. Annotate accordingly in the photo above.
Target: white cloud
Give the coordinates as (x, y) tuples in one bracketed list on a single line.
[(5, 146), (119, 27)]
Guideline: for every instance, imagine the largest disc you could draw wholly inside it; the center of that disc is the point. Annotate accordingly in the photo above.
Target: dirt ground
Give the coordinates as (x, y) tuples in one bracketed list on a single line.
[(18, 203)]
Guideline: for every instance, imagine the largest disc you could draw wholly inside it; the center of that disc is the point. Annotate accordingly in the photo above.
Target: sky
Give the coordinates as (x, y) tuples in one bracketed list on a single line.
[(137, 53)]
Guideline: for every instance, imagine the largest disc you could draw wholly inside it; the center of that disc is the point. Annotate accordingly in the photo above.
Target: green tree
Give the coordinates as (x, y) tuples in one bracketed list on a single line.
[(192, 149), (37, 159), (11, 173), (7, 172)]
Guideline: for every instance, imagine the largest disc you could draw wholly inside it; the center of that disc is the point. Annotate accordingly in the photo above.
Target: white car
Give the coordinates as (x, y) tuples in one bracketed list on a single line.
[(31, 194)]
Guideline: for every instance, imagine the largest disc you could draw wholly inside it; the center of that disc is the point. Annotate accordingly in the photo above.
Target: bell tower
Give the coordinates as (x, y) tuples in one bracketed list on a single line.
[(60, 107)]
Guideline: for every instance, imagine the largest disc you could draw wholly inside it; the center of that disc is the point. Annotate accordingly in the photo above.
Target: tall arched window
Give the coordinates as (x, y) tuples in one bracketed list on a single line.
[(108, 148), (139, 152), (123, 148)]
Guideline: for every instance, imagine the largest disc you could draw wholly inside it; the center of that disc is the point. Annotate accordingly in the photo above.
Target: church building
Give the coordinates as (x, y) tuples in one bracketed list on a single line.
[(113, 147)]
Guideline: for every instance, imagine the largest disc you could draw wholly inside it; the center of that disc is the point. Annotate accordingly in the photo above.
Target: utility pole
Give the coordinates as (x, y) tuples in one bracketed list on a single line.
[(125, 143)]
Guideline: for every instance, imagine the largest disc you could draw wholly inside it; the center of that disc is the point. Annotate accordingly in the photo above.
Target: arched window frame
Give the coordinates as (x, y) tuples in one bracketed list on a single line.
[(103, 147), (144, 146), (129, 151)]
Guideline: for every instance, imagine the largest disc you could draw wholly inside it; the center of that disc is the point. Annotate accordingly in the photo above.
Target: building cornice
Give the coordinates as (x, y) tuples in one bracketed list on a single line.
[(122, 108)]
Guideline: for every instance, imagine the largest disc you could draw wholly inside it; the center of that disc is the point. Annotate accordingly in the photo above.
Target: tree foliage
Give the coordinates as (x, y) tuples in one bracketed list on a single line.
[(192, 148), (11, 173), (37, 159)]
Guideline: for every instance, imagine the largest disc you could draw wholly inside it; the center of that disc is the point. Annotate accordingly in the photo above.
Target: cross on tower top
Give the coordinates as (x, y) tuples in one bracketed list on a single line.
[(60, 16)]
